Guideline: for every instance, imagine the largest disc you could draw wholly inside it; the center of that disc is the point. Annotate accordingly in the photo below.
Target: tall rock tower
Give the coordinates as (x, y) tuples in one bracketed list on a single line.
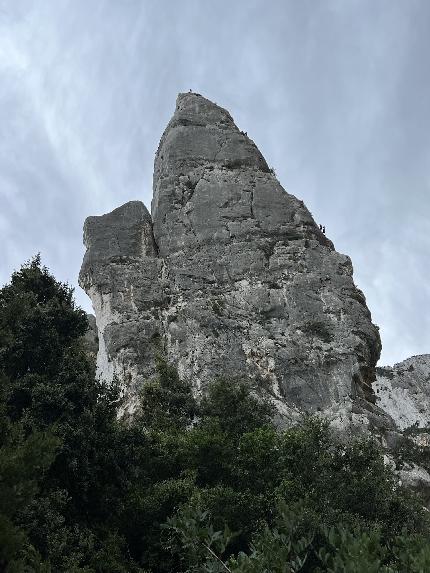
[(230, 277)]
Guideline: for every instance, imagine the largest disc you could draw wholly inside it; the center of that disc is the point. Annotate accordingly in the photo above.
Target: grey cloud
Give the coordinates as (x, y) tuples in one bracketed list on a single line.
[(334, 93)]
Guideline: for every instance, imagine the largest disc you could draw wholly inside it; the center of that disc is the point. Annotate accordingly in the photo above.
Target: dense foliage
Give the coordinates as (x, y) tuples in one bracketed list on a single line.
[(189, 485)]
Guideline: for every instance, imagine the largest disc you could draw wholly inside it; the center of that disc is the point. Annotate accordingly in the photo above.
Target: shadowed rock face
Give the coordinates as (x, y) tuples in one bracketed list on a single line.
[(230, 277)]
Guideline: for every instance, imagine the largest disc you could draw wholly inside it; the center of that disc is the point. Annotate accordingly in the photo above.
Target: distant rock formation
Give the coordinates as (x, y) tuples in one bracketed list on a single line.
[(231, 276), (403, 392)]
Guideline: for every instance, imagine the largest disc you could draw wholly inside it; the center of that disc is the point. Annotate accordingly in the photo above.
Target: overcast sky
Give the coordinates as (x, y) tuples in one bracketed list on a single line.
[(335, 93)]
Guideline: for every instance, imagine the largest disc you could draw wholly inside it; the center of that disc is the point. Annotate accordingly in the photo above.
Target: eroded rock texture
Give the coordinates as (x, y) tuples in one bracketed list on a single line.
[(230, 277), (403, 391)]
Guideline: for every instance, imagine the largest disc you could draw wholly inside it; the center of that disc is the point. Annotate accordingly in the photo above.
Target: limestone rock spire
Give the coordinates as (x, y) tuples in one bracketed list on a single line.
[(239, 281)]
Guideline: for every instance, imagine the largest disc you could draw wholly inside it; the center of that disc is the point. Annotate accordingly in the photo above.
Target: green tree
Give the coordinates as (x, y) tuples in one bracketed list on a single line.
[(244, 479), (166, 402), (84, 492), (23, 463), (298, 542), (48, 386)]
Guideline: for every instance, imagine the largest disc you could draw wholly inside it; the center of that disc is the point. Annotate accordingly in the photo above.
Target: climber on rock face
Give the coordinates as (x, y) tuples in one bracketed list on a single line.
[(323, 230), (320, 227)]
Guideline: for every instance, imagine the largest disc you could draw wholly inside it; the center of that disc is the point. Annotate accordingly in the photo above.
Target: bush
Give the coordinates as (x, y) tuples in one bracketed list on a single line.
[(298, 541)]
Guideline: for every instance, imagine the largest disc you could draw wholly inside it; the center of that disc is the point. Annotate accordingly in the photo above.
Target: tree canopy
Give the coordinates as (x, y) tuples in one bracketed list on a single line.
[(190, 484)]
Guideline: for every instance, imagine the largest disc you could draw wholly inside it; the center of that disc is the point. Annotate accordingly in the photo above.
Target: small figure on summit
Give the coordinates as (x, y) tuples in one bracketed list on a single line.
[(323, 230)]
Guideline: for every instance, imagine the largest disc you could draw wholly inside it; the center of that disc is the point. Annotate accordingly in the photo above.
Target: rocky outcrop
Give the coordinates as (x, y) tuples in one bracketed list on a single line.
[(231, 276), (403, 391), (122, 275)]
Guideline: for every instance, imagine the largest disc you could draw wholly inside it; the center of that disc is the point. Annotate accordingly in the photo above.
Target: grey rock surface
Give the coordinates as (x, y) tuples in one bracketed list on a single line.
[(231, 276), (122, 275), (403, 391)]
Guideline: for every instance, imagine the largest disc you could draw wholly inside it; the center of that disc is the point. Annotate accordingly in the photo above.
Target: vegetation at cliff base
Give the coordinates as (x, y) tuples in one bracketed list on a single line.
[(189, 485)]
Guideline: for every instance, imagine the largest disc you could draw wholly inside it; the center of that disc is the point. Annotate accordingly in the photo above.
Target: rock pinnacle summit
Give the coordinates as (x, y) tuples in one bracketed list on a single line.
[(229, 276)]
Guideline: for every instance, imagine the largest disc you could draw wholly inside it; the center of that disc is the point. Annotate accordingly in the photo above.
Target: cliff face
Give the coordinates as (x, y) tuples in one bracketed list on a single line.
[(231, 276), (403, 391)]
